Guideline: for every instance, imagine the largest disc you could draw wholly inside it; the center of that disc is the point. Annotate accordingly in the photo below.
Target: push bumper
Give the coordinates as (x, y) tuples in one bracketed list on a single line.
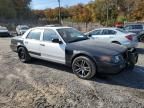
[(130, 59)]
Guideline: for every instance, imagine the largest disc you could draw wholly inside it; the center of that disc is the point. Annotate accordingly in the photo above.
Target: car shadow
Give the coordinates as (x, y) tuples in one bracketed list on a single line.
[(6, 36), (51, 65), (140, 50), (132, 79)]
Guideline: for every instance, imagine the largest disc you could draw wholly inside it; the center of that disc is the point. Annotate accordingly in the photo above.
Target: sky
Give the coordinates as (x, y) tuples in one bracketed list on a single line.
[(43, 4)]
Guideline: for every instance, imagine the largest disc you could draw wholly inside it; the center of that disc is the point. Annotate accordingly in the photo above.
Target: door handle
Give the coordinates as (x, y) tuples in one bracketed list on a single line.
[(42, 44)]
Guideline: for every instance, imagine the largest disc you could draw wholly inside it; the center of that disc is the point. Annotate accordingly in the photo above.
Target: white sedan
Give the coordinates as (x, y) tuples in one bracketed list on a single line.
[(114, 35), (4, 31)]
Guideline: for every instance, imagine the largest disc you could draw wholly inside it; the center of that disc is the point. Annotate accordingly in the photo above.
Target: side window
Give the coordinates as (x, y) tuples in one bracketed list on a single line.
[(34, 34), (49, 34), (96, 32), (108, 32)]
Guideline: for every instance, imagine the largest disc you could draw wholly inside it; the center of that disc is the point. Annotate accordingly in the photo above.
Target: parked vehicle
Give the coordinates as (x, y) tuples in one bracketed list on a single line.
[(70, 47), (114, 35), (4, 31), (134, 28), (141, 36), (21, 29)]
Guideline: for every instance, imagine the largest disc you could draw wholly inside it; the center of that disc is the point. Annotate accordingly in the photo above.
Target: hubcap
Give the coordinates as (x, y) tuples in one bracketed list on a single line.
[(81, 67)]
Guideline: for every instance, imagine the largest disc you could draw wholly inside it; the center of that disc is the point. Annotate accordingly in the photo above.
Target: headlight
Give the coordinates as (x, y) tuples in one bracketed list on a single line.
[(116, 59), (113, 59)]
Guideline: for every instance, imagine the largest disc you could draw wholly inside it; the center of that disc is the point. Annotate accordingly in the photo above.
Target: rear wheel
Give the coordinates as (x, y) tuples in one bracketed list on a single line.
[(84, 67), (23, 55), (141, 39)]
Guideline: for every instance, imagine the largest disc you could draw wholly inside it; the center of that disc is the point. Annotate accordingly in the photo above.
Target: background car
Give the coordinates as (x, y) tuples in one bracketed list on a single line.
[(4, 31), (141, 36), (134, 28), (114, 35), (21, 29)]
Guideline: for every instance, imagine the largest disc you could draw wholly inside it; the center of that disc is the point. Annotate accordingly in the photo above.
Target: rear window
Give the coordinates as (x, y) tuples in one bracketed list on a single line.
[(121, 30)]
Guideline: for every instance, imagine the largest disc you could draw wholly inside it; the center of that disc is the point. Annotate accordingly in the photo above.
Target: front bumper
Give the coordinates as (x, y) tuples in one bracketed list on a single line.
[(109, 68), (130, 59), (4, 34)]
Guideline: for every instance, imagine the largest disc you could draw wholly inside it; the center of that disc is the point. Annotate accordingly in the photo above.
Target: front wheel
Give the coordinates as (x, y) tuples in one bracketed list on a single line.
[(84, 67)]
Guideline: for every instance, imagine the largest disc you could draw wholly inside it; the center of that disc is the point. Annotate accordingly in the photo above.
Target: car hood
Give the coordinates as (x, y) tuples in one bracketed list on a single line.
[(97, 48)]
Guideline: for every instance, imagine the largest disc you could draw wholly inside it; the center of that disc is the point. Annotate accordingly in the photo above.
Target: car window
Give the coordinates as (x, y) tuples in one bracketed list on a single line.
[(34, 34), (122, 30), (96, 32), (49, 35), (108, 32)]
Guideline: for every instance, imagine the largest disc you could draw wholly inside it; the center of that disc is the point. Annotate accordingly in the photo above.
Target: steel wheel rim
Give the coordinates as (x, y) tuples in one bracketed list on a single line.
[(81, 67)]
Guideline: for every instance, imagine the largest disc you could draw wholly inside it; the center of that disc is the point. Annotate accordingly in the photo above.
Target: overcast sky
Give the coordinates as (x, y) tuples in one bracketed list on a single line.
[(43, 4)]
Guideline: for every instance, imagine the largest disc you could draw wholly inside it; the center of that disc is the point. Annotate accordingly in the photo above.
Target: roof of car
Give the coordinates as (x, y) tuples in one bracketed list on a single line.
[(60, 27)]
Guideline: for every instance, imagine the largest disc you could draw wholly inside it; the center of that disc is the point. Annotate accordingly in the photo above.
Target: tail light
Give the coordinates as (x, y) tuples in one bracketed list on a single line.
[(129, 37)]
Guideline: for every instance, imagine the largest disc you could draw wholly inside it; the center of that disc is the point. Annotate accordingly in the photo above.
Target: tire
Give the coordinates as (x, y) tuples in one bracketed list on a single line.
[(141, 39), (23, 55), (84, 67)]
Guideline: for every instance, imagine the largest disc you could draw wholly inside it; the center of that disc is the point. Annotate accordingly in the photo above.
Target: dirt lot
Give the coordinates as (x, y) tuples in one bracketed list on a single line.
[(43, 84)]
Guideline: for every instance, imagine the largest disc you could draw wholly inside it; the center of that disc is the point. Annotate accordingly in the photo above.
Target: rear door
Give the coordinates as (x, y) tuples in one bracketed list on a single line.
[(32, 42)]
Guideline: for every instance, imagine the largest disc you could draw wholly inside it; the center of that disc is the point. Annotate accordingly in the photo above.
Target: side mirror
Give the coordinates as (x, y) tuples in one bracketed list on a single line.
[(56, 41)]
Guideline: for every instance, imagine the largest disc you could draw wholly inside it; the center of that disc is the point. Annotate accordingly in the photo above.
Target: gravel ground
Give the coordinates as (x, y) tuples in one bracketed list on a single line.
[(42, 84)]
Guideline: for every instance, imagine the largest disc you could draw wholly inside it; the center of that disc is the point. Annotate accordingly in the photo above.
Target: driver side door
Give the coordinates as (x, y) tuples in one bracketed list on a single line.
[(52, 51)]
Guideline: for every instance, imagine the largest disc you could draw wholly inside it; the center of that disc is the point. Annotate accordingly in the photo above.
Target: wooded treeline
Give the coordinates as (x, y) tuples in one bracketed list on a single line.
[(102, 11), (15, 9), (106, 12)]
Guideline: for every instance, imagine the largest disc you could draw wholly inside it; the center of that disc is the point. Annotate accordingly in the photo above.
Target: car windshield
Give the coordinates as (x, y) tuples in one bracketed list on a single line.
[(121, 30), (71, 35)]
